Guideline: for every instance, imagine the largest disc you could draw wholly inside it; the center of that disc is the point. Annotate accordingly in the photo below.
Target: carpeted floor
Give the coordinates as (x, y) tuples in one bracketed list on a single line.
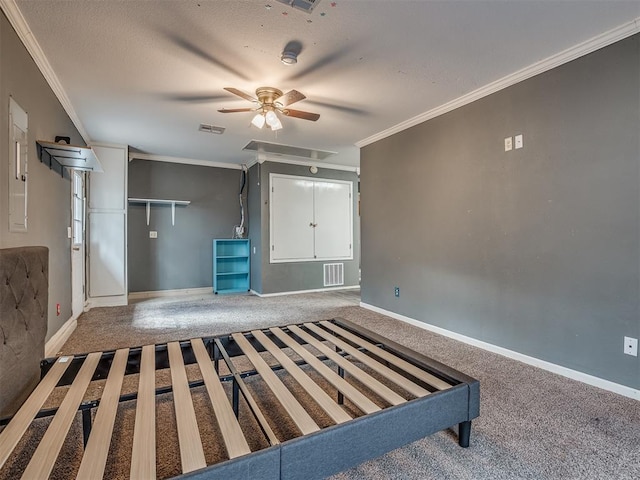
[(533, 424)]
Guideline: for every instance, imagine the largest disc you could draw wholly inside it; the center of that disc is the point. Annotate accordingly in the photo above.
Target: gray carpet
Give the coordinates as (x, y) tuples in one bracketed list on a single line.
[(533, 424)]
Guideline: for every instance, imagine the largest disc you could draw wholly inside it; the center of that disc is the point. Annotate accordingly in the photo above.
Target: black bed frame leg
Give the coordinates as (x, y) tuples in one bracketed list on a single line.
[(86, 425), (464, 433), (236, 398), (340, 394)]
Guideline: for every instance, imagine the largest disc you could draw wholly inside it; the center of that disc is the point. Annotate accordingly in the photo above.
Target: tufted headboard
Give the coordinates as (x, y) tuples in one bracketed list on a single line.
[(24, 296)]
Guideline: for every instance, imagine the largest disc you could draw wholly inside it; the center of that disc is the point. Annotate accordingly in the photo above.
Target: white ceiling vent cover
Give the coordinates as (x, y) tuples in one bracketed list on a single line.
[(333, 274), (205, 127), (304, 5)]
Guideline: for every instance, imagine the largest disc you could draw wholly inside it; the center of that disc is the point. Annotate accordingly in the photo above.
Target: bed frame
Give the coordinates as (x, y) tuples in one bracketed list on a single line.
[(401, 396)]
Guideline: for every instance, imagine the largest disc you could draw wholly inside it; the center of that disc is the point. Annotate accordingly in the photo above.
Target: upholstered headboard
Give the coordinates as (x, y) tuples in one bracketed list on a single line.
[(24, 296)]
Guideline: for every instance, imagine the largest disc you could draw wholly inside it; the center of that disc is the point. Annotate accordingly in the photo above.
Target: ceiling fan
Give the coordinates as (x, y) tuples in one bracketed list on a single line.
[(270, 100)]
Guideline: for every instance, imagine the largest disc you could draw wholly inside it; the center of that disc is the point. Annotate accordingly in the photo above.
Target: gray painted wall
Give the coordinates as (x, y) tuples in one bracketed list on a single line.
[(296, 276), (536, 250), (49, 195), (181, 257), (255, 228)]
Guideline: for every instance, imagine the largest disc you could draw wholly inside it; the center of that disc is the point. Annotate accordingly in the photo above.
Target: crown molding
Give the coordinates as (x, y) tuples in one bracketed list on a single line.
[(17, 20), (616, 34), (184, 161)]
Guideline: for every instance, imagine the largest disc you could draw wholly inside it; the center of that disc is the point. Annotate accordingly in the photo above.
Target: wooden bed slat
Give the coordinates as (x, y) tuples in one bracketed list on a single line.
[(302, 419), (253, 406), (10, 436), (95, 454), (374, 385), (321, 397), (143, 453), (229, 427), (191, 451), (372, 363), (357, 397), (44, 457), (389, 357)]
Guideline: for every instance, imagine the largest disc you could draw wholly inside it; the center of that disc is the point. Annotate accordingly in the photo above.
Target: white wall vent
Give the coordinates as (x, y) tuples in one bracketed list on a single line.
[(205, 127), (304, 5), (333, 274)]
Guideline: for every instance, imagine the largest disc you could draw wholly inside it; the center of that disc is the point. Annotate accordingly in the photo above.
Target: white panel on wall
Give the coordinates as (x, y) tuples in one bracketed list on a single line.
[(108, 188), (108, 228), (18, 127), (291, 218), (107, 257), (333, 220)]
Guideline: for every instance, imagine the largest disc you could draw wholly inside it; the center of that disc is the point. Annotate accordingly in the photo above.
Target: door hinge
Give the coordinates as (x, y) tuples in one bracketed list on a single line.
[(273, 247)]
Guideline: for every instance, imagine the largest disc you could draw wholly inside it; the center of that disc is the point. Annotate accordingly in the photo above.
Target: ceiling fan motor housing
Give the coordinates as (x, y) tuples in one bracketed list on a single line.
[(267, 96)]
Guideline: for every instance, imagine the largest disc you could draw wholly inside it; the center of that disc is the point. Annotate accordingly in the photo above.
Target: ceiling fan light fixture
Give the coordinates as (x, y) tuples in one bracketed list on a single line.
[(271, 118), (258, 121), (277, 125)]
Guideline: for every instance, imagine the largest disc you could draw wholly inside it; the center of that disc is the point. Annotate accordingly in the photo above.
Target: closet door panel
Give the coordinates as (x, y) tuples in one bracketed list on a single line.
[(333, 220), (291, 219)]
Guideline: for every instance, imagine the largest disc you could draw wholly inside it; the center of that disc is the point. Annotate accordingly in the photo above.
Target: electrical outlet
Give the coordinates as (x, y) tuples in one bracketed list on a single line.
[(631, 346), (519, 141), (508, 144), (396, 291), (153, 234)]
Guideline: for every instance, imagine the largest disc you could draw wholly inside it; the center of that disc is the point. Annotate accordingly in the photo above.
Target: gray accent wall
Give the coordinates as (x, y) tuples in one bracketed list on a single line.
[(49, 194), (181, 257), (297, 276), (536, 250)]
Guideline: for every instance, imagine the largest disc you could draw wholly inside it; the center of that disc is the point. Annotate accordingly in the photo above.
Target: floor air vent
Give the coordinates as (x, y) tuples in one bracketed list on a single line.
[(333, 274)]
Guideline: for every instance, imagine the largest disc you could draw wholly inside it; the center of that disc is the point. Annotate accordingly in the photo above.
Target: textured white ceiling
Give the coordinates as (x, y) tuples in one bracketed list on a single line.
[(147, 73)]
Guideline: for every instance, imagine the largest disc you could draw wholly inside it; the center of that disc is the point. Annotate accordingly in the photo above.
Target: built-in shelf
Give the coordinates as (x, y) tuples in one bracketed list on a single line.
[(159, 201), (231, 266), (70, 156)]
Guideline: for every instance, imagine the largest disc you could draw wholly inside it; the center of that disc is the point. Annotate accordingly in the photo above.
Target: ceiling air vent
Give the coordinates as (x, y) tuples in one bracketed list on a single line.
[(204, 127), (304, 5), (287, 150)]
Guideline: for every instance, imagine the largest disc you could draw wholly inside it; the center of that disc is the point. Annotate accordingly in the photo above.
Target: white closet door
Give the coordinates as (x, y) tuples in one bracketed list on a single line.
[(333, 212), (291, 219)]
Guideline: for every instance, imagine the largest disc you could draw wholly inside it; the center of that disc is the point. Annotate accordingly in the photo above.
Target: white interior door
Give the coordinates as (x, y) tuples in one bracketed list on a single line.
[(333, 220), (78, 202)]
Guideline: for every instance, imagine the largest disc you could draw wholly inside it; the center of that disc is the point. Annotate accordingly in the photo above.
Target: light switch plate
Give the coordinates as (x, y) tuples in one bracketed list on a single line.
[(508, 144), (153, 234), (519, 141)]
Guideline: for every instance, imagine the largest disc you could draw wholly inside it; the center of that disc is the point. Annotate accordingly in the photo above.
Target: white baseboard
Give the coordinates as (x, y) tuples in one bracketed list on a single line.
[(536, 362), (115, 301), (170, 293), (328, 289), (55, 343)]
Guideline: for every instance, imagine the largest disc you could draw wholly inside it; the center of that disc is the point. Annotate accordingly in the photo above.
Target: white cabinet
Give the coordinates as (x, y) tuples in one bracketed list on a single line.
[(310, 219), (108, 228)]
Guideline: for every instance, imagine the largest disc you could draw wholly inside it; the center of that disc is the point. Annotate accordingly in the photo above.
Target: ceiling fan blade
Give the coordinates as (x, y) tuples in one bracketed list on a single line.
[(240, 93), (290, 97), (300, 114), (236, 110)]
